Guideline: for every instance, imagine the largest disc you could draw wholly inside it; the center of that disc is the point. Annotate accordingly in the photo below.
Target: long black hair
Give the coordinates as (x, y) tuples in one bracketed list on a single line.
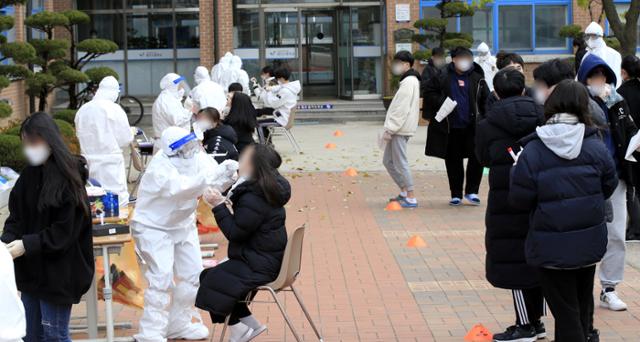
[(266, 161), (242, 112), (64, 174)]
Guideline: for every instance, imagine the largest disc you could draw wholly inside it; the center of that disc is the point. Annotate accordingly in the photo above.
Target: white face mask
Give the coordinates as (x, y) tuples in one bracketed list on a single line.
[(37, 155), (204, 125), (540, 97), (594, 43), (463, 65), (601, 91), (397, 69), (439, 63)]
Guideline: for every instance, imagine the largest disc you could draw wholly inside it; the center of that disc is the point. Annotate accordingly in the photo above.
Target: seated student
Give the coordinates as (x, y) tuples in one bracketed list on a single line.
[(242, 117), (282, 98), (563, 177), (255, 228), (510, 119), (267, 80), (218, 138)]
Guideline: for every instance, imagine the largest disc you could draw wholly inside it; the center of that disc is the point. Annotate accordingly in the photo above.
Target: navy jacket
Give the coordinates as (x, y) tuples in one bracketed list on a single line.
[(566, 198), (220, 140), (507, 122)]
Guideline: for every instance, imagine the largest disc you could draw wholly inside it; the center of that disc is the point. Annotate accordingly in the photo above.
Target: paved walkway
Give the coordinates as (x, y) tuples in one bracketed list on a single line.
[(362, 283)]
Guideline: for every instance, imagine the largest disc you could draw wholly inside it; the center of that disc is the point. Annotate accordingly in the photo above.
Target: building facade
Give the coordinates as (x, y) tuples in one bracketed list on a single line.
[(338, 49)]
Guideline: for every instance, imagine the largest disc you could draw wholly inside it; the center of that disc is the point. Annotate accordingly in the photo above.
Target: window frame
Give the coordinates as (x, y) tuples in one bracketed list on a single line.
[(495, 20)]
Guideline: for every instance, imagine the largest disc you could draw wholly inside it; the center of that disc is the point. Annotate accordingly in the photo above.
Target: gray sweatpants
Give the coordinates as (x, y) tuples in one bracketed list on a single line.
[(396, 163), (612, 265)]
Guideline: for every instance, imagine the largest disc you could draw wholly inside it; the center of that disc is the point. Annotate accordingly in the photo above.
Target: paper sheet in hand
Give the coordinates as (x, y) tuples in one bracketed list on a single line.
[(447, 107), (634, 144)]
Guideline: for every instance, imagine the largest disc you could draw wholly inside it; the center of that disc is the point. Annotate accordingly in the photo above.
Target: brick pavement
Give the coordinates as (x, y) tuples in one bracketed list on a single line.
[(361, 283)]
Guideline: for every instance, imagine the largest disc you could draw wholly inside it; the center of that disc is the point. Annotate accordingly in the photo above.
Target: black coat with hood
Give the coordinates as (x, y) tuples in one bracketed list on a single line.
[(430, 70), (563, 177), (508, 121), (58, 264), (257, 240), (621, 126), (220, 140), (437, 90)]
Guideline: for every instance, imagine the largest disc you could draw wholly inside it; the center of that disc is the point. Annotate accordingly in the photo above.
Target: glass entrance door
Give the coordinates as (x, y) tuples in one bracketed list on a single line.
[(318, 53)]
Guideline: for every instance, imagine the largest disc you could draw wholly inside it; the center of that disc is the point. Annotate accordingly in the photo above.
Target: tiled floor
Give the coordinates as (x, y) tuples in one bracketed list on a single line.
[(361, 282)]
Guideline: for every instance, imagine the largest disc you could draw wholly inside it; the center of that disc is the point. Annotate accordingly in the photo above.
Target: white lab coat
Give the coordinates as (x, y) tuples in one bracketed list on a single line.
[(168, 110), (282, 98), (103, 131), (164, 230), (13, 324), (207, 93)]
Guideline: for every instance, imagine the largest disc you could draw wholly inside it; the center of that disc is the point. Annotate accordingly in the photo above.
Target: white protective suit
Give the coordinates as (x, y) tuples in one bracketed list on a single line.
[(487, 62), (221, 72), (13, 324), (282, 98), (239, 75), (168, 110), (103, 131), (207, 93), (165, 234), (598, 47)]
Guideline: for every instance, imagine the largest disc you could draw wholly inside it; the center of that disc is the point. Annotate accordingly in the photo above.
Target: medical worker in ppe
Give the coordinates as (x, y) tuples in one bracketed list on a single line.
[(168, 110), (103, 131), (239, 75), (206, 93), (487, 62), (166, 237), (594, 36), (221, 72)]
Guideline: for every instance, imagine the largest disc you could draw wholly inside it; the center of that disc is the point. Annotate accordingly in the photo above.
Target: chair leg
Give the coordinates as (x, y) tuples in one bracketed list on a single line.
[(260, 134), (284, 314), (213, 332), (137, 184), (306, 313), (129, 169), (294, 142), (224, 328)]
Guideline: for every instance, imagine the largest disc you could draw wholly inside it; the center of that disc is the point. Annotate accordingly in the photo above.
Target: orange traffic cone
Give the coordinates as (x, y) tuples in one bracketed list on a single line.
[(416, 241), (393, 206), (478, 334), (351, 172), (330, 146), (338, 133)]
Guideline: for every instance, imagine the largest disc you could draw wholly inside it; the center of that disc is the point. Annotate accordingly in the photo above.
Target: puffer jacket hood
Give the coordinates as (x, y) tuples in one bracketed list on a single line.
[(591, 62), (252, 186), (523, 115), (565, 140), (293, 86)]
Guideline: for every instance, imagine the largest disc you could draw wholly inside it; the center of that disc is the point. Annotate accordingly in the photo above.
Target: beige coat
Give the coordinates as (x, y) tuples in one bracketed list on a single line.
[(404, 111)]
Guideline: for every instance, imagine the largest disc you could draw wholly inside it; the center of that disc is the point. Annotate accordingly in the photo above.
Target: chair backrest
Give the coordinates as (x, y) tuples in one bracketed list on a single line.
[(292, 118), (136, 158), (291, 262)]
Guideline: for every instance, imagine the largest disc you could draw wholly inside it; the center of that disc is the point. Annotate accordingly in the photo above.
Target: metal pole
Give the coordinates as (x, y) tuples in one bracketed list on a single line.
[(125, 40), (300, 51), (175, 36), (262, 34)]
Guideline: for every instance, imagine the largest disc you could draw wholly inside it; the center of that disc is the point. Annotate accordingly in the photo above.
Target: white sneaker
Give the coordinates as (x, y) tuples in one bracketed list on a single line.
[(257, 332), (610, 300), (240, 332), (193, 331)]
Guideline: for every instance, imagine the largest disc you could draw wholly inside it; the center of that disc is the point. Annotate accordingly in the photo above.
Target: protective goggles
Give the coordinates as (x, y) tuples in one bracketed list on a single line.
[(186, 139)]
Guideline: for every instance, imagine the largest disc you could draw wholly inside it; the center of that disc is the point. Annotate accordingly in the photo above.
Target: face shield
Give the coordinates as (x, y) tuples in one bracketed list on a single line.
[(176, 85)]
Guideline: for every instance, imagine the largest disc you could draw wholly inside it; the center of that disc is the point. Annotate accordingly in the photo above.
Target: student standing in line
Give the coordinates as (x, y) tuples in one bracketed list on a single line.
[(48, 232), (453, 138), (510, 119), (563, 176), (400, 124)]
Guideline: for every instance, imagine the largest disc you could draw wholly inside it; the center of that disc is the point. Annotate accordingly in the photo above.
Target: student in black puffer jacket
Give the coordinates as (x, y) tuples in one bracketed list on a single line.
[(218, 138), (564, 176), (257, 240), (511, 118)]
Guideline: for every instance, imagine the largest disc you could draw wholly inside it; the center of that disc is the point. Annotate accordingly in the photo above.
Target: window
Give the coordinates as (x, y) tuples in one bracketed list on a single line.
[(549, 20), (479, 26), (246, 28), (187, 30), (106, 26), (515, 28), (88, 5)]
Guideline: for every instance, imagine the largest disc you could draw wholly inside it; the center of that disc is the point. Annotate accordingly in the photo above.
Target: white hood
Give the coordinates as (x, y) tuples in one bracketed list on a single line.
[(293, 86), (594, 28), (236, 63), (565, 140), (201, 74), (109, 89), (484, 51)]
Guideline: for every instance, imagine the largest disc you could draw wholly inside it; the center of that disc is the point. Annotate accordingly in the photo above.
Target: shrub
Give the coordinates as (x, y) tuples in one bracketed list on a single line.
[(11, 152), (69, 136), (68, 115)]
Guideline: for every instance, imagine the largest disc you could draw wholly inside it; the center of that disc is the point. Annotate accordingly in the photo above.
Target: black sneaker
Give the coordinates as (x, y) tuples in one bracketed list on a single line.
[(594, 336), (541, 332), (517, 333)]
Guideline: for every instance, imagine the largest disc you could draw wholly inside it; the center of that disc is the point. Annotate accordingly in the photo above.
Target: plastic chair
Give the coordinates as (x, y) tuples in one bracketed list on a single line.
[(286, 130), (291, 263)]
